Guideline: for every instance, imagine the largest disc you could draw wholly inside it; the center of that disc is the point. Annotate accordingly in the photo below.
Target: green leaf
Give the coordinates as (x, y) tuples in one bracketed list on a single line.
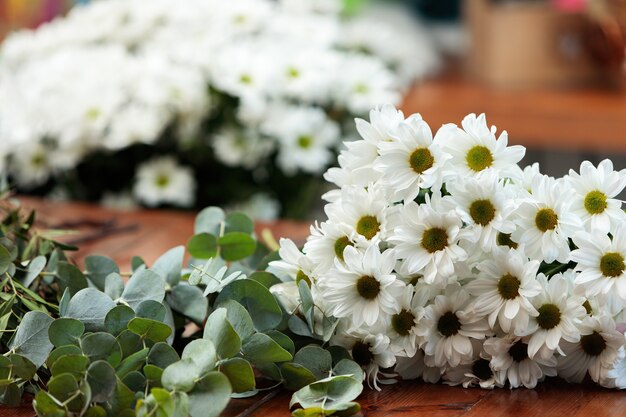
[(129, 342), (45, 406), (238, 317), (70, 364), (262, 348), (144, 285), (257, 300), (63, 387), (296, 376), (98, 267), (153, 375), (117, 319), (181, 375), (151, 309), (122, 400), (202, 246), (209, 220), (149, 329), (236, 245), (31, 338), (114, 285), (202, 353), (64, 303), (65, 331), (135, 381), (338, 353), (132, 363), (34, 269), (5, 260), (22, 367), (350, 368), (181, 405), (95, 411), (239, 373), (188, 301), (60, 352), (170, 264), (269, 370), (316, 360), (101, 378), (210, 396), (102, 346), (91, 307), (162, 355), (283, 340), (330, 393), (219, 330), (10, 395), (136, 262), (265, 278), (299, 326), (239, 222), (70, 277)]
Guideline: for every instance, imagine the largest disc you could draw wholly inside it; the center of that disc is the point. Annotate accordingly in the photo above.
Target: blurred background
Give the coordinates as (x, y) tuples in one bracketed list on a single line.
[(551, 73)]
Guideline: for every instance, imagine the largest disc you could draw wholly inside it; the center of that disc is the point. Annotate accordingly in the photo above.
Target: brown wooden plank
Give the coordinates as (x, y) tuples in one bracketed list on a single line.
[(581, 119)]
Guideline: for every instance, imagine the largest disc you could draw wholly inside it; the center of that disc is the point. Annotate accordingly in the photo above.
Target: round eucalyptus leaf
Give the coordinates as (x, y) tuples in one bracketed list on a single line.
[(62, 386), (238, 317), (116, 320), (135, 381), (149, 329), (219, 330), (102, 380), (202, 353), (95, 411), (129, 342), (113, 285), (132, 362), (236, 245), (162, 355), (75, 365), (263, 308), (170, 264), (70, 277), (102, 346), (188, 301), (283, 340), (209, 220), (315, 359), (261, 348), (62, 351), (350, 368), (136, 262), (239, 373), (91, 307), (238, 222), (330, 393), (65, 331), (98, 267), (22, 367), (296, 376), (265, 278), (202, 246), (45, 405), (31, 338), (210, 396), (151, 309), (143, 285), (181, 375), (153, 374)]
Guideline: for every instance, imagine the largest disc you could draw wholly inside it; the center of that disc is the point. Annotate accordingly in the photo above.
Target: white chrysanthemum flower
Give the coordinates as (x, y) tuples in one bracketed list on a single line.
[(617, 372), (510, 362), (293, 264), (370, 350), (414, 367), (475, 148), (363, 210), (504, 288), (306, 136), (427, 241), (601, 262), (410, 161), (481, 202), (596, 191), (162, 181), (363, 287), (327, 242), (560, 312), (241, 147), (447, 330), (260, 206), (476, 373), (403, 324), (597, 349), (31, 166), (545, 221)]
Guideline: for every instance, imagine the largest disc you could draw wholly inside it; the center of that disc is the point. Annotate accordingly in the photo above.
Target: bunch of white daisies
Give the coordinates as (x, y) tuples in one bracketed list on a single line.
[(253, 82), (441, 257)]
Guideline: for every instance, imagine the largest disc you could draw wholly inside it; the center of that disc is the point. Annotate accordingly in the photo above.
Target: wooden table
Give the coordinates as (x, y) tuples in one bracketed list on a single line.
[(586, 119), (151, 232)]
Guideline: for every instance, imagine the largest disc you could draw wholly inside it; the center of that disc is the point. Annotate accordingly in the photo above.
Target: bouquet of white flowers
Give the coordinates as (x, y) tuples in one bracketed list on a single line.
[(443, 259), (245, 96)]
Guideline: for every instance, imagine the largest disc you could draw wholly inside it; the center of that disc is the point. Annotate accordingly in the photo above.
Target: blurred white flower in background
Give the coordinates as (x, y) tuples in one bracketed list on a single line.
[(163, 181)]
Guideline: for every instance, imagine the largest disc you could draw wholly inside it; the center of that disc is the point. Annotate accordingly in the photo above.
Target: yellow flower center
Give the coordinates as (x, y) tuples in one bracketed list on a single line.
[(595, 202), (546, 219), (482, 212), (435, 239), (340, 245), (479, 158), (508, 287), (368, 287), (421, 159), (368, 226), (612, 264)]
